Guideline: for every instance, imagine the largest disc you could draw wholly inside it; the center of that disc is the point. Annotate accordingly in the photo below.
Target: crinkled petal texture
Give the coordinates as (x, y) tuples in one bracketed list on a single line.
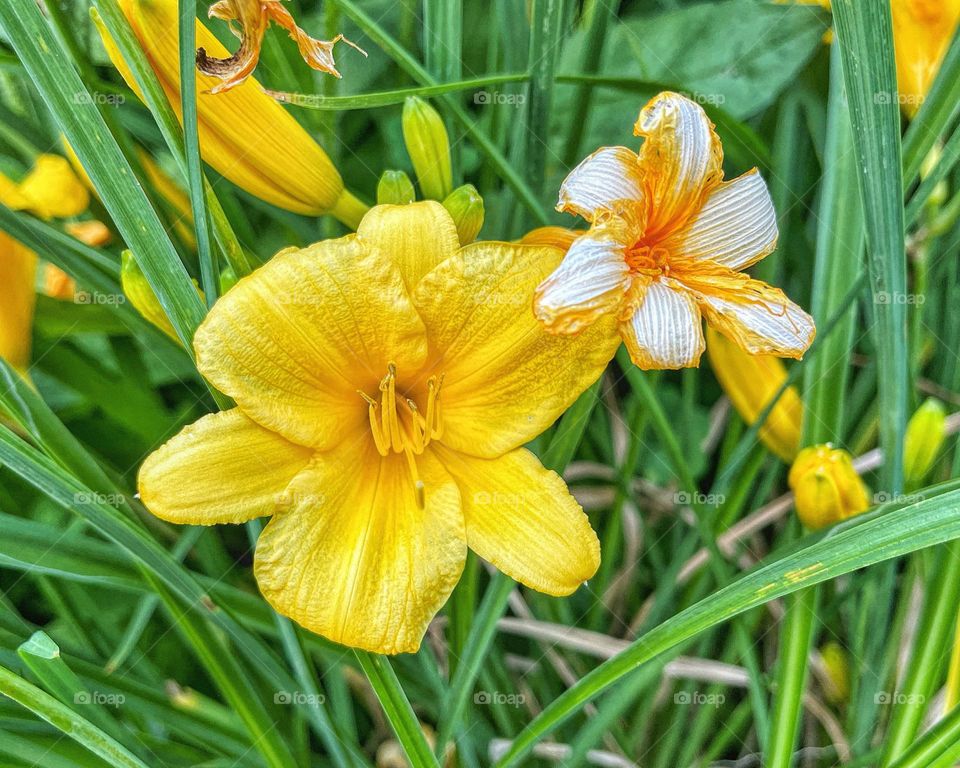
[(520, 517), (759, 317), (506, 378), (736, 227), (416, 237), (607, 181), (353, 558), (294, 342), (665, 330), (591, 280), (224, 468), (681, 160)]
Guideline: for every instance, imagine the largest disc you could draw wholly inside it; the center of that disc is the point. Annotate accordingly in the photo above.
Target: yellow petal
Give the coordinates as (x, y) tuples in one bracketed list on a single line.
[(353, 558), (244, 134), (52, 190), (416, 237), (605, 182), (751, 381), (759, 317), (557, 237), (922, 31), (736, 227), (590, 282), (520, 517), (224, 468), (681, 160), (506, 378), (293, 342), (18, 268), (665, 330)]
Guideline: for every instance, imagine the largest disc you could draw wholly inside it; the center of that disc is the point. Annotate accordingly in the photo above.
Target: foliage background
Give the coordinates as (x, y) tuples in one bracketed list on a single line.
[(156, 648)]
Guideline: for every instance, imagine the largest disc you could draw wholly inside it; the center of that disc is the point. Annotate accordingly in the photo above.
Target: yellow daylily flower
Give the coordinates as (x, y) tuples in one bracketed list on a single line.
[(751, 382), (922, 31), (244, 134), (18, 269), (826, 487), (558, 237), (668, 241), (252, 18), (385, 384), (49, 190)]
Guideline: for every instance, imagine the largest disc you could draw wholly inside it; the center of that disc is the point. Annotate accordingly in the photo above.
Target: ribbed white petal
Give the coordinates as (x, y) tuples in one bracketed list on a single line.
[(736, 227), (681, 158), (773, 326), (590, 281), (602, 183), (665, 331)]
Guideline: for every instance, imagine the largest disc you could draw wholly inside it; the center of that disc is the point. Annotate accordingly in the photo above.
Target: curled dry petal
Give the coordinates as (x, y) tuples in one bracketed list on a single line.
[(248, 20)]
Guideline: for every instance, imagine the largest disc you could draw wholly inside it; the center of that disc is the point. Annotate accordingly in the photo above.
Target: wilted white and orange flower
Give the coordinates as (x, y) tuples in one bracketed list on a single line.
[(252, 18), (668, 243)]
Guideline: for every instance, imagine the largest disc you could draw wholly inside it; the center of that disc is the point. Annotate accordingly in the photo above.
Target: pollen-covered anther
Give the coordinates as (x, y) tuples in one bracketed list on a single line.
[(399, 425)]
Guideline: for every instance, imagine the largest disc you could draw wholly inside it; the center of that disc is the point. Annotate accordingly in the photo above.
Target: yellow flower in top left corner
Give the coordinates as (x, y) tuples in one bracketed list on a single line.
[(668, 243), (385, 384)]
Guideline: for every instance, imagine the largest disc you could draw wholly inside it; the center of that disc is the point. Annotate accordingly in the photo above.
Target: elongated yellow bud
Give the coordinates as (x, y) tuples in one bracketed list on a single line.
[(826, 487), (138, 291), (18, 269), (922, 31), (429, 148), (751, 382), (244, 134), (465, 207), (395, 188), (926, 432)]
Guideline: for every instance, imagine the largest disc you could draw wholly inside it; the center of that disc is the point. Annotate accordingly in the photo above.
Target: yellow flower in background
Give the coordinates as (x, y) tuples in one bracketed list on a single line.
[(49, 190), (18, 269), (385, 384), (668, 240), (826, 487), (252, 18), (751, 382), (245, 135), (922, 31)]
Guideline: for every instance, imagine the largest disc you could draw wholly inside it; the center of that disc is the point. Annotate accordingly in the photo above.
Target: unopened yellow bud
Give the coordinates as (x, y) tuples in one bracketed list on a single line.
[(57, 284), (395, 188), (826, 487), (751, 382), (429, 148), (465, 206), (940, 193), (926, 432), (139, 292), (836, 665), (93, 233)]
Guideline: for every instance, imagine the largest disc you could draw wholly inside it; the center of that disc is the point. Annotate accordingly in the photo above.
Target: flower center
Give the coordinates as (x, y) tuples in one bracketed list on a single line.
[(399, 425), (652, 260)]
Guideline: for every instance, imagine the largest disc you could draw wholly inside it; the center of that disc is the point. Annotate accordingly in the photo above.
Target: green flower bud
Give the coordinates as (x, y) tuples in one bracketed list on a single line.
[(228, 279), (924, 438), (465, 206), (428, 147), (395, 188)]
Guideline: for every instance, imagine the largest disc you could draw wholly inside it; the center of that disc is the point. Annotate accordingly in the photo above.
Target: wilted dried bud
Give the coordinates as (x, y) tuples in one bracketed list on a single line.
[(428, 147), (465, 206), (826, 487), (395, 188), (923, 440)]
